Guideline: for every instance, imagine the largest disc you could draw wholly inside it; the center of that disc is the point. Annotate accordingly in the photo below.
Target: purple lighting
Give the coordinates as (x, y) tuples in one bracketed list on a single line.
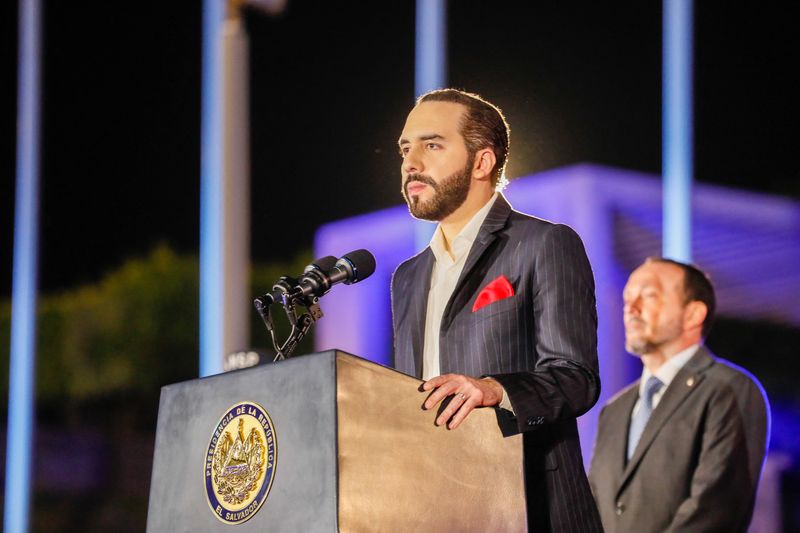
[(738, 237), (358, 319)]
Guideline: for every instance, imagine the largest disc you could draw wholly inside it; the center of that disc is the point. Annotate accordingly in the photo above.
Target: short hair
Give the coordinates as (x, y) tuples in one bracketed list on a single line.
[(483, 126), (697, 287)]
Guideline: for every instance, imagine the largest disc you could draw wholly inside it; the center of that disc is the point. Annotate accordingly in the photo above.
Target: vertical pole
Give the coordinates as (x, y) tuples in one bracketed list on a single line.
[(430, 71), (677, 134), (225, 187), (211, 268), (236, 175), (24, 286), (431, 46)]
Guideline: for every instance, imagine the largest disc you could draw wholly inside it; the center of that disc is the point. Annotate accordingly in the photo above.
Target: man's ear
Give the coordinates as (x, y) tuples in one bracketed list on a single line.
[(694, 315), (484, 164)]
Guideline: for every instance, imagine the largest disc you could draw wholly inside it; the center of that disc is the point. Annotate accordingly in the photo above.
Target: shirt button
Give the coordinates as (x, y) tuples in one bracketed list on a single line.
[(531, 421), (620, 508)]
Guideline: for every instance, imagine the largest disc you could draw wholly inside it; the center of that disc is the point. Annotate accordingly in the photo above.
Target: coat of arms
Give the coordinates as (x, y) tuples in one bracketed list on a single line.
[(240, 463)]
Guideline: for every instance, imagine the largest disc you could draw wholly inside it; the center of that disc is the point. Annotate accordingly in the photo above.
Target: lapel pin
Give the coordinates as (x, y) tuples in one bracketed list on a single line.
[(690, 382)]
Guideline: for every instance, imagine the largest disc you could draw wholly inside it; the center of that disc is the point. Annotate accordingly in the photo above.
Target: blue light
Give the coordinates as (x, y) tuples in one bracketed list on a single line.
[(430, 72), (26, 242), (211, 197), (431, 46), (677, 129)]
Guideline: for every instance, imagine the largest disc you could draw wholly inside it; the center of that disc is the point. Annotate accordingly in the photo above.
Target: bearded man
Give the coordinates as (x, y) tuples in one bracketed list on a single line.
[(499, 310), (682, 448)]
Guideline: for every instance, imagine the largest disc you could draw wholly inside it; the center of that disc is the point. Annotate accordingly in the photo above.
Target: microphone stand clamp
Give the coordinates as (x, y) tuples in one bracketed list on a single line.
[(287, 291)]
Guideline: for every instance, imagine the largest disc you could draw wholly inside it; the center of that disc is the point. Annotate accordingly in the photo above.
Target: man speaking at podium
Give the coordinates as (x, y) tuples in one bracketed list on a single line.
[(499, 310)]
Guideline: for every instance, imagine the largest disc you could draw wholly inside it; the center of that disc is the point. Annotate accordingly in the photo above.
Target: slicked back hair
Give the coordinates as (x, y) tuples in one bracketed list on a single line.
[(697, 287), (483, 126)]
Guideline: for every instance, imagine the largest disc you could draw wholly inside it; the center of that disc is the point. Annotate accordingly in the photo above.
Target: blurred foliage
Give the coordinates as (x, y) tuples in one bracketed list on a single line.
[(132, 332), (104, 350)]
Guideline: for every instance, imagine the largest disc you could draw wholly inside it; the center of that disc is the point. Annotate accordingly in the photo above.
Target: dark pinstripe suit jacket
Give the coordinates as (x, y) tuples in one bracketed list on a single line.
[(540, 344), (698, 461)]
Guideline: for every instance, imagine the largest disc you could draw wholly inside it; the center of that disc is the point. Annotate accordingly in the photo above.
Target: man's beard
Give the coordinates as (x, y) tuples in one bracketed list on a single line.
[(640, 344), (639, 347), (647, 344), (448, 195)]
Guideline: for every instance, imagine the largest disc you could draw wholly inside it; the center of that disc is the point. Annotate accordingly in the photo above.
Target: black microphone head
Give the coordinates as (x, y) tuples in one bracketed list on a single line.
[(359, 264), (323, 264)]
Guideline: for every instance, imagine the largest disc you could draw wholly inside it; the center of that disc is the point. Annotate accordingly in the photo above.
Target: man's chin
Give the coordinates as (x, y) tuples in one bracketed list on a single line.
[(423, 218), (637, 348), (424, 211)]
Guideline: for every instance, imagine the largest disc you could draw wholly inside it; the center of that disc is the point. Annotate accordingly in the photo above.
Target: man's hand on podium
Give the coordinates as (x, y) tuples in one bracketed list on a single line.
[(467, 394)]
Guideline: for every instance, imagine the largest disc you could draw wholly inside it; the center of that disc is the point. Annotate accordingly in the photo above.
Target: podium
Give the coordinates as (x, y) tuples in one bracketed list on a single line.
[(327, 442)]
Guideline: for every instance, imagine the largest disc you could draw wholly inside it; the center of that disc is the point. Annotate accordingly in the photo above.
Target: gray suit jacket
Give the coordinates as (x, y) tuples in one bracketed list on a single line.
[(540, 344), (698, 461)]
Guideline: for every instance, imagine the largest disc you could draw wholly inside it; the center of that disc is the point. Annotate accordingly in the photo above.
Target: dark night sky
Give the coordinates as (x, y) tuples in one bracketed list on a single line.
[(331, 84)]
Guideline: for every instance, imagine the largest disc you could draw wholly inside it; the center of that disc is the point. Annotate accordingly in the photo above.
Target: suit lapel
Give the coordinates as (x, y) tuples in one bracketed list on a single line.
[(495, 221), (418, 306), (684, 383)]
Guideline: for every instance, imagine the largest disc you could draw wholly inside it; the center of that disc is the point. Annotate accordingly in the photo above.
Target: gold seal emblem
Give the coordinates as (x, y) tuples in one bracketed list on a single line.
[(240, 463)]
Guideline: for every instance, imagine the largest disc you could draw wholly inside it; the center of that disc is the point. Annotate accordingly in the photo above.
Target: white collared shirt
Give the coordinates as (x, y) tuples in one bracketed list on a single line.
[(445, 274), (666, 373)]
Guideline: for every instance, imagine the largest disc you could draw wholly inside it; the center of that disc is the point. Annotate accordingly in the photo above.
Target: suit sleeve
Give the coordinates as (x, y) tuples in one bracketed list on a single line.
[(565, 381), (721, 493), (754, 407), (402, 358)]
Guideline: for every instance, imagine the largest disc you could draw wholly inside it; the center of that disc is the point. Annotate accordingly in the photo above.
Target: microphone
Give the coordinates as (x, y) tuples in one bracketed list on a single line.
[(320, 276), (313, 281), (315, 269), (323, 264), (351, 268), (316, 280)]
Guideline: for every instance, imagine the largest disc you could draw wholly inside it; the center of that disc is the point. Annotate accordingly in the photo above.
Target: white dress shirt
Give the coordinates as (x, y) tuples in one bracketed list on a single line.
[(666, 373), (446, 271)]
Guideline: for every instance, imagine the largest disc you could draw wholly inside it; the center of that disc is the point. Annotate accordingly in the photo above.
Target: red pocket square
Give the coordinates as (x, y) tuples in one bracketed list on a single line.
[(498, 289)]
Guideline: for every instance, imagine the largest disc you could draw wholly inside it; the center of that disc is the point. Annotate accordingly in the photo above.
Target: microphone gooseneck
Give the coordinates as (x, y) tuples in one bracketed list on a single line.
[(317, 280)]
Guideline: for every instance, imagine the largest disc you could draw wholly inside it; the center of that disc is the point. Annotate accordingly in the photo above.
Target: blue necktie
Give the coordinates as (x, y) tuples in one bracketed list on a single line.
[(639, 420)]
